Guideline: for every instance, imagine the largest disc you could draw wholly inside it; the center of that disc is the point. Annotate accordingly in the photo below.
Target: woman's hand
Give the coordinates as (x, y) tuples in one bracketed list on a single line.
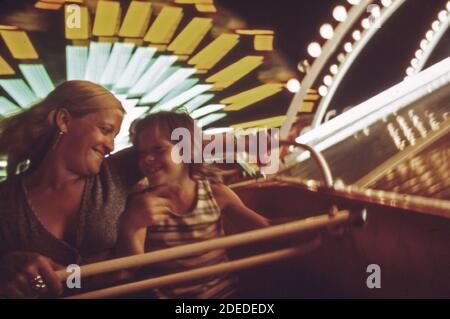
[(19, 270)]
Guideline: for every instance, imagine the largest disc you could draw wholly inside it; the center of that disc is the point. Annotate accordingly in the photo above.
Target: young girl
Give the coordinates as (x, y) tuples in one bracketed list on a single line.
[(183, 203)]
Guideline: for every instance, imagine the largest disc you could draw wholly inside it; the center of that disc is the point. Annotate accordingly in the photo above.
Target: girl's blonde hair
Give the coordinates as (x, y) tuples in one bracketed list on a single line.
[(29, 135), (166, 123)]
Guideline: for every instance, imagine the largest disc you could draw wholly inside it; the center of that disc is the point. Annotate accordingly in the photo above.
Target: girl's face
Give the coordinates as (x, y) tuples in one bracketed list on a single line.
[(155, 158)]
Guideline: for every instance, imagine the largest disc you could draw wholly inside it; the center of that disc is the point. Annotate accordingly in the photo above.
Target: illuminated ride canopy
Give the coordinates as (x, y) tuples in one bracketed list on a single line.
[(153, 55)]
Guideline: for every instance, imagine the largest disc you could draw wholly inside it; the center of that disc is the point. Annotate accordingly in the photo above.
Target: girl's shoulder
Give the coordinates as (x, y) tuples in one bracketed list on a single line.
[(224, 195)]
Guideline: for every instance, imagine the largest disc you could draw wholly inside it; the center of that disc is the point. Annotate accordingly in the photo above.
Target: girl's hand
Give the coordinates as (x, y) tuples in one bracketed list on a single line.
[(145, 209), (18, 269)]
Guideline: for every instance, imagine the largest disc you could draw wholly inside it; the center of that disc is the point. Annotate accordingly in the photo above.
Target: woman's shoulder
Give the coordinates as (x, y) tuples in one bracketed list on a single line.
[(124, 168)]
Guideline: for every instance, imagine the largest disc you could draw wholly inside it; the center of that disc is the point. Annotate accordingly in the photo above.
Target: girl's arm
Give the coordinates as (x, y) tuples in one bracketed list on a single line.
[(131, 242), (141, 211), (233, 208)]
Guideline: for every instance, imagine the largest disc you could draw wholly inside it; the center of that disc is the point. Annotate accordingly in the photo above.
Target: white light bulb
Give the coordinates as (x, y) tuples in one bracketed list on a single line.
[(419, 54), (435, 25), (376, 11), (409, 71), (356, 35), (423, 44), (340, 13), (414, 62), (314, 49), (326, 31), (353, 2), (442, 15), (323, 90), (293, 85), (334, 69), (365, 23), (328, 80), (429, 35), (348, 47), (386, 3)]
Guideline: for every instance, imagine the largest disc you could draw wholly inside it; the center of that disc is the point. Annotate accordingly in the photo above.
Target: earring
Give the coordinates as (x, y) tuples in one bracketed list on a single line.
[(60, 134)]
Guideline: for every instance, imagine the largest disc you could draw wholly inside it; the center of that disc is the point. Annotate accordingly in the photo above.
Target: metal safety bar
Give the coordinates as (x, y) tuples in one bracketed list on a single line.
[(177, 278), (250, 237)]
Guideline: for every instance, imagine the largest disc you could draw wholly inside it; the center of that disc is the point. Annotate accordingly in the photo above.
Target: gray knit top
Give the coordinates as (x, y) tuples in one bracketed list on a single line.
[(103, 200)]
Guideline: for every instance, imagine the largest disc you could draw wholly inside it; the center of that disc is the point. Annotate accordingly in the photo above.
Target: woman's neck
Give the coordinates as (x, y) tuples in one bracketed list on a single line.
[(51, 173)]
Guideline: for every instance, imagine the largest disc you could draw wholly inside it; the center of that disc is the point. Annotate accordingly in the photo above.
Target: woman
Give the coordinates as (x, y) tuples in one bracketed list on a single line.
[(63, 207)]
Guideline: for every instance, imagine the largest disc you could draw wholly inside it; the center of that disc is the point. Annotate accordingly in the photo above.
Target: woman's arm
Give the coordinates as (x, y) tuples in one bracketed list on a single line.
[(233, 208)]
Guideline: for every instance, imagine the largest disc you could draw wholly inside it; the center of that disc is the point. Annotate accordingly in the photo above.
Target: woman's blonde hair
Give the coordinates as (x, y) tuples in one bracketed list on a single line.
[(166, 123), (29, 135)]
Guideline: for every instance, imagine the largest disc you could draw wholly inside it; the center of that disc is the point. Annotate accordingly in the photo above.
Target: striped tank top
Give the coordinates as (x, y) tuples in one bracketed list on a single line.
[(202, 223)]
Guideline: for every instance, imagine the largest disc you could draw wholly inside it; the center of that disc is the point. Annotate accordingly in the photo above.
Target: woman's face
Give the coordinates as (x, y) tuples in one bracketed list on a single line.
[(89, 139), (155, 158)]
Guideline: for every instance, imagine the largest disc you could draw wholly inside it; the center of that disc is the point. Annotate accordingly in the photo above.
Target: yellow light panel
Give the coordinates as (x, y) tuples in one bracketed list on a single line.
[(7, 27), (107, 18), (137, 42), (234, 72), (197, 2), (247, 98), (254, 32), (270, 122), (191, 36), (215, 51), (19, 44), (159, 47), (312, 97), (73, 32), (263, 42), (5, 68), (164, 26), (47, 5), (136, 20), (182, 57), (206, 8), (307, 107)]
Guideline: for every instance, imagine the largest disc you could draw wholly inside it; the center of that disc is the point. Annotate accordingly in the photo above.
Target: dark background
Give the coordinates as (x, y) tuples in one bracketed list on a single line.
[(381, 64)]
